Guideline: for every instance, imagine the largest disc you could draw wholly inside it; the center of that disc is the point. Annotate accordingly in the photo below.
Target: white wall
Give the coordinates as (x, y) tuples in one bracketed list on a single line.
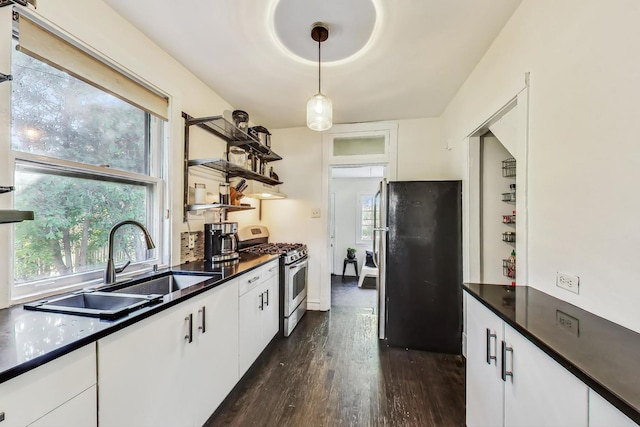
[(346, 192), (289, 220), (583, 150), (494, 250), (421, 155)]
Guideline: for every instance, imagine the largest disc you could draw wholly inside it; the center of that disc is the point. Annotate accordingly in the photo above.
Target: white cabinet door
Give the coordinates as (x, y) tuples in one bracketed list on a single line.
[(485, 388), (270, 314), (81, 411), (540, 392), (143, 372), (250, 332), (30, 396), (604, 414), (215, 367)]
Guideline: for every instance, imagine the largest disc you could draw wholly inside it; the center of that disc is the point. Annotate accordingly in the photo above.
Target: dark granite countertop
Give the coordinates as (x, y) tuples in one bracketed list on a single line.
[(29, 339), (602, 354)]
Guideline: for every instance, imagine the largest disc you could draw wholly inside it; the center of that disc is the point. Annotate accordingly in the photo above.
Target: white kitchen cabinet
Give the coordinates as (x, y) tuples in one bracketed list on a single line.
[(81, 411), (259, 314), (604, 414), (34, 394), (540, 392), (163, 370), (215, 364), (485, 388), (535, 391)]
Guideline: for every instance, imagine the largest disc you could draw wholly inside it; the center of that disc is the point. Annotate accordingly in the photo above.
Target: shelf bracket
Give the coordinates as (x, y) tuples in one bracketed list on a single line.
[(5, 77)]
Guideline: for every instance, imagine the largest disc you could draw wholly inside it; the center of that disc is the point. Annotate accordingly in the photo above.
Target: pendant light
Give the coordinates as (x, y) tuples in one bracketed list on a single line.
[(319, 108)]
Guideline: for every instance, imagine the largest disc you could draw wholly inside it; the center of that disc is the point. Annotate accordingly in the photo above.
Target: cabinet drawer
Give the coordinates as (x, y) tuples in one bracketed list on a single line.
[(252, 279), (33, 394), (271, 269)]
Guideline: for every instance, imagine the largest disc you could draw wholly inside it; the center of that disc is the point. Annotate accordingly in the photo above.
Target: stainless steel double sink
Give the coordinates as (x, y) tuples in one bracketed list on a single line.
[(121, 298)]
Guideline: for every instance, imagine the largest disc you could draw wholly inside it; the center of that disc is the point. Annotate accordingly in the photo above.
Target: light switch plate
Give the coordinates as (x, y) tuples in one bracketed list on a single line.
[(315, 213), (568, 282)]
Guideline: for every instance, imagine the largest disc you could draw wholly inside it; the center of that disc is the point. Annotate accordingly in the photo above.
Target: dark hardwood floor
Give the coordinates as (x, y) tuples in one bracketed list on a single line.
[(332, 372)]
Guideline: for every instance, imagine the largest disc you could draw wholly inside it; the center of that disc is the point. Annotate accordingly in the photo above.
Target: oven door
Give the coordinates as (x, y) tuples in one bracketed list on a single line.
[(295, 285)]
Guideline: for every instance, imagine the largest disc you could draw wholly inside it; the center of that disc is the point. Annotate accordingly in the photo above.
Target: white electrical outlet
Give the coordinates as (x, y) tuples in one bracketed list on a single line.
[(568, 282), (315, 213), (192, 241)]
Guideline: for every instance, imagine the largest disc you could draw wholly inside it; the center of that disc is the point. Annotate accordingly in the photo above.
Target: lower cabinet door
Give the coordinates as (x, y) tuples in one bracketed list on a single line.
[(35, 394), (143, 372), (215, 367), (540, 392), (485, 388), (250, 333), (604, 414), (81, 411), (271, 312)]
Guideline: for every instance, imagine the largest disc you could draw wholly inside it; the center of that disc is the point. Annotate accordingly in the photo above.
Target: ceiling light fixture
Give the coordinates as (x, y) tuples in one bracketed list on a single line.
[(319, 108)]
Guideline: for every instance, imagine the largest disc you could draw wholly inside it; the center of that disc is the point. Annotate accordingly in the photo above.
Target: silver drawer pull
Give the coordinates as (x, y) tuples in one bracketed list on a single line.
[(490, 357), (203, 322), (1, 417), (254, 279), (506, 373), (189, 334), (272, 269)]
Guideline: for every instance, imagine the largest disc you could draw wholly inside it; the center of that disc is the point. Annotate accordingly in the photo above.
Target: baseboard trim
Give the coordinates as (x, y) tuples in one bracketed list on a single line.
[(313, 305)]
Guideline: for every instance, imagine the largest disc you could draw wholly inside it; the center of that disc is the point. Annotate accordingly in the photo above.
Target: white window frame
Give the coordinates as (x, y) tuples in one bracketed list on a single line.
[(358, 237), (156, 182)]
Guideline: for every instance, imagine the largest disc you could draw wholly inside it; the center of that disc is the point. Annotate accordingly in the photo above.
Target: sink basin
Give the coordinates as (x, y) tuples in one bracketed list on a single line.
[(105, 305), (163, 285)]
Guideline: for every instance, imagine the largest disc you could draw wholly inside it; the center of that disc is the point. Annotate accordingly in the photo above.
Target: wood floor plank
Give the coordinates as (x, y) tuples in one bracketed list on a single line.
[(333, 371)]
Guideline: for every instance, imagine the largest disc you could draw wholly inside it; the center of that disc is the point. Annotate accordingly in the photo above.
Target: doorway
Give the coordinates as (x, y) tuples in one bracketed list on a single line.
[(346, 148), (352, 193)]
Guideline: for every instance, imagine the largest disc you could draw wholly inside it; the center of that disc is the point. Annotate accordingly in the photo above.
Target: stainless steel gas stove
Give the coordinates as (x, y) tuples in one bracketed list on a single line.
[(294, 271)]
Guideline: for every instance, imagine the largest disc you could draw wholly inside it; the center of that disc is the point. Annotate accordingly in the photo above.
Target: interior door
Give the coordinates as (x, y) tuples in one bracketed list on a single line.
[(332, 233), (380, 253)]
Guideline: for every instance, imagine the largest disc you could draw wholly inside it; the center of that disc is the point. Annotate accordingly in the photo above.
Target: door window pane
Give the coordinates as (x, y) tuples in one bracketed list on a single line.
[(358, 146)]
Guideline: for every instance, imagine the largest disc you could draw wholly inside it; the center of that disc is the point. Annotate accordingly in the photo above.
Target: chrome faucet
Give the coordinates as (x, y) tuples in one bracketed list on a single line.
[(111, 270)]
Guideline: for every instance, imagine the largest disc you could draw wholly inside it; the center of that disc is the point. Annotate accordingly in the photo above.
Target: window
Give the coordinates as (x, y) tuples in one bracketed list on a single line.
[(364, 222), (84, 160)]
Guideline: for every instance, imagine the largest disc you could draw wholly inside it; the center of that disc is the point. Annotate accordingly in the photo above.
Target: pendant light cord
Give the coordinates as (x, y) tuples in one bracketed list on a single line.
[(319, 42)]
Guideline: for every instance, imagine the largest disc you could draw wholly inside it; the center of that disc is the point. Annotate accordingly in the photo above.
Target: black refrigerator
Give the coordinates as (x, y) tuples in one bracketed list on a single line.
[(418, 246)]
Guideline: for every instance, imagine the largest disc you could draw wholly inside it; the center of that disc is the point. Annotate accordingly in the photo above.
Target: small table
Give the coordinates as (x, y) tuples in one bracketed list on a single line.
[(353, 261)]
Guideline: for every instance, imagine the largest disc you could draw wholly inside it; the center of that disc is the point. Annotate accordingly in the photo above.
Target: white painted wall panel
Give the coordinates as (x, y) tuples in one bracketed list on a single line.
[(583, 150)]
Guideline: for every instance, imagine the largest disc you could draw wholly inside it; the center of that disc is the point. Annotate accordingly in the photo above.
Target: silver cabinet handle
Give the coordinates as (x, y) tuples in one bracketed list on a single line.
[(506, 373), (489, 356), (261, 306), (272, 269), (189, 335), (203, 322), (267, 293), (1, 417), (254, 279)]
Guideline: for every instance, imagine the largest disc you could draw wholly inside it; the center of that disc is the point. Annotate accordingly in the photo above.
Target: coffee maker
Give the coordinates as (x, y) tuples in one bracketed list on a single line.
[(221, 243)]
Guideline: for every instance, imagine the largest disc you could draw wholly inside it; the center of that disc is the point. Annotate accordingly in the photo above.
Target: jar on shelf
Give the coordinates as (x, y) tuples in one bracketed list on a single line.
[(241, 120), (224, 193), (238, 157), (200, 194)]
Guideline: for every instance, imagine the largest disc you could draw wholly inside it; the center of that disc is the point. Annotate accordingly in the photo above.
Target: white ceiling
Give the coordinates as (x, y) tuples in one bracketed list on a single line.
[(419, 54)]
